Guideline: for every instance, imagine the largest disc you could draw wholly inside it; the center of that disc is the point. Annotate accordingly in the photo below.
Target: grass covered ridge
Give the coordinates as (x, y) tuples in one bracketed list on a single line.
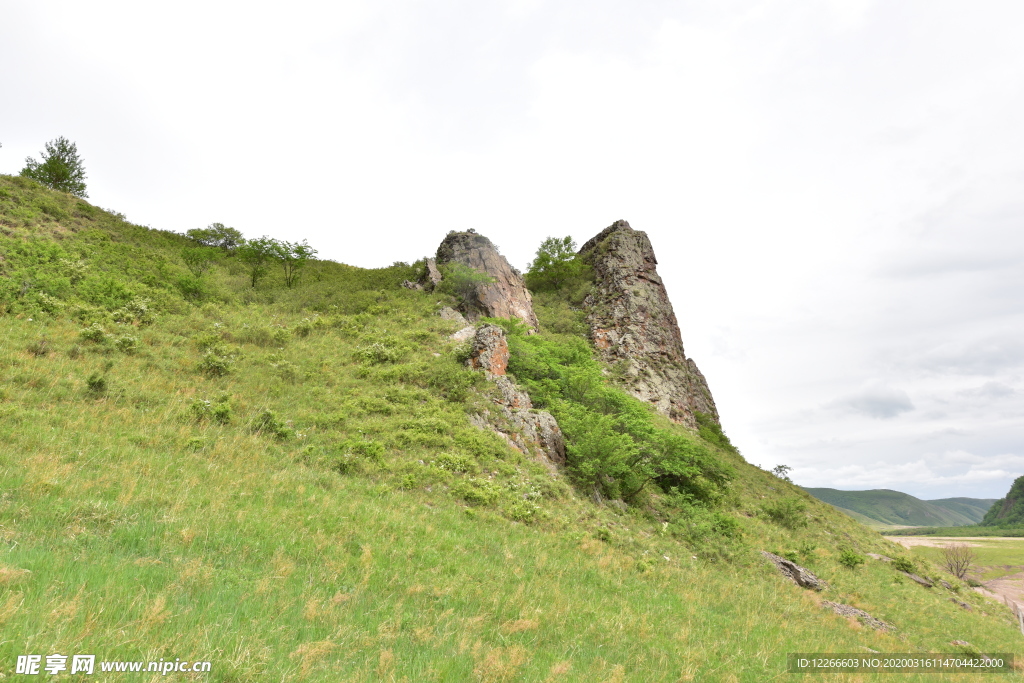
[(284, 481)]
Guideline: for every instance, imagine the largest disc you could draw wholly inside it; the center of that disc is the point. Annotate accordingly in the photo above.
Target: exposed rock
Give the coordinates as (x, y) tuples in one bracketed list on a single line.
[(490, 350), (946, 585), (961, 604), (409, 284), (449, 313), (914, 577), (632, 323), (881, 558), (431, 275), (961, 643), (801, 576), (849, 611), (506, 297), (525, 429)]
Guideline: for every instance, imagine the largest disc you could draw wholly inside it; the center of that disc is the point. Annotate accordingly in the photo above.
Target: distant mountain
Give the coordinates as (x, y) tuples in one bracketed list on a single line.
[(882, 506)]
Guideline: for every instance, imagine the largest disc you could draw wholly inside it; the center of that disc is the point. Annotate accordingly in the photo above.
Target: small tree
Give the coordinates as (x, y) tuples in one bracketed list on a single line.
[(217, 235), (293, 256), (198, 259), (958, 558), (555, 265), (257, 254), (60, 168)]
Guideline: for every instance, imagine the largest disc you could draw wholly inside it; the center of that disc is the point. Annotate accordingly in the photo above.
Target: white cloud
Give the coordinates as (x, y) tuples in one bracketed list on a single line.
[(876, 400)]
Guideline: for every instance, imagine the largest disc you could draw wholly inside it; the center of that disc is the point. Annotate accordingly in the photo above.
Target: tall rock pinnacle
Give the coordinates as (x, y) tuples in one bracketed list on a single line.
[(632, 323), (507, 296)]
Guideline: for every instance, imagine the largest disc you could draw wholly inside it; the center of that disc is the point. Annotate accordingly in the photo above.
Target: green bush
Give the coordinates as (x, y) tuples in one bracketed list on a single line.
[(851, 558), (461, 282), (378, 353), (268, 423), (903, 564), (94, 333), (212, 364), (453, 462), (218, 410), (96, 383), (474, 491), (787, 512), (127, 343)]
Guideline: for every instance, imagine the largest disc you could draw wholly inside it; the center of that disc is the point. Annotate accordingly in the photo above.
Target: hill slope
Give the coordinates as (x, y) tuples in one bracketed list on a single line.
[(883, 506), (1008, 511), (286, 482)]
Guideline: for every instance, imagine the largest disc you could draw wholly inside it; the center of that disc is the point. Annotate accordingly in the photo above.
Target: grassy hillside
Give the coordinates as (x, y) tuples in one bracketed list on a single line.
[(972, 508), (284, 482), (882, 506)]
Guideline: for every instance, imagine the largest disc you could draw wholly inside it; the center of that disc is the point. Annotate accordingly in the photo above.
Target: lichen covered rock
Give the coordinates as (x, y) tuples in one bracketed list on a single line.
[(632, 325), (506, 297), (490, 350)]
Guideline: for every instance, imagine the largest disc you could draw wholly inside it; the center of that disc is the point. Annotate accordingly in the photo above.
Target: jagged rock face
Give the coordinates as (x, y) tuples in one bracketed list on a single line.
[(525, 429), (507, 296), (632, 324), (490, 350)]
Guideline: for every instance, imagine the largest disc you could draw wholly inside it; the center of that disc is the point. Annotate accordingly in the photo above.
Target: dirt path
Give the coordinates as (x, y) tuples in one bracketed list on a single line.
[(935, 541)]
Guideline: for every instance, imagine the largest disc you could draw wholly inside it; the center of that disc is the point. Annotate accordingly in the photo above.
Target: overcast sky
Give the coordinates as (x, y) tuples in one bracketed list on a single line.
[(834, 188)]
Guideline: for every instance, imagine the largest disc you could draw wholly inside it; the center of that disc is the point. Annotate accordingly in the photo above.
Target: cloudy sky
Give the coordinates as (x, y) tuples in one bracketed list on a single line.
[(834, 188)]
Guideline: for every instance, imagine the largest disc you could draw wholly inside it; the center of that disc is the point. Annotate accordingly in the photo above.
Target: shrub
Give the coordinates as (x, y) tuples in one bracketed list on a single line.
[(218, 410), (94, 333), (455, 463), (213, 364), (263, 335), (958, 558), (127, 343), (198, 259), (788, 512), (903, 564), (267, 423), (39, 348), (477, 491), (462, 282), (137, 311), (378, 353), (96, 383), (851, 558)]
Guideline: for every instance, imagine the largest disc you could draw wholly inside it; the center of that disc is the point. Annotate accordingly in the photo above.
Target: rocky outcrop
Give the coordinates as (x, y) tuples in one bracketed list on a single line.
[(431, 275), (859, 614), (505, 297), (527, 430), (490, 350), (801, 576), (632, 324)]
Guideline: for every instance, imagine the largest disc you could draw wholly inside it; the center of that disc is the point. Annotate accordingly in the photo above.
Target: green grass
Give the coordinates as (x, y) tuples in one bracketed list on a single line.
[(994, 557), (361, 530)]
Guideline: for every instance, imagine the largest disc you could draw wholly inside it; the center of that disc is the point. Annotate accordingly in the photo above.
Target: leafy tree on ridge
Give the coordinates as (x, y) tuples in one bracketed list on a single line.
[(61, 168)]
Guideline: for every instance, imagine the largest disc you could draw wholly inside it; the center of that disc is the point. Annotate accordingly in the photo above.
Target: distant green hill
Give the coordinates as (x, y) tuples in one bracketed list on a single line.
[(1008, 511), (882, 506)]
